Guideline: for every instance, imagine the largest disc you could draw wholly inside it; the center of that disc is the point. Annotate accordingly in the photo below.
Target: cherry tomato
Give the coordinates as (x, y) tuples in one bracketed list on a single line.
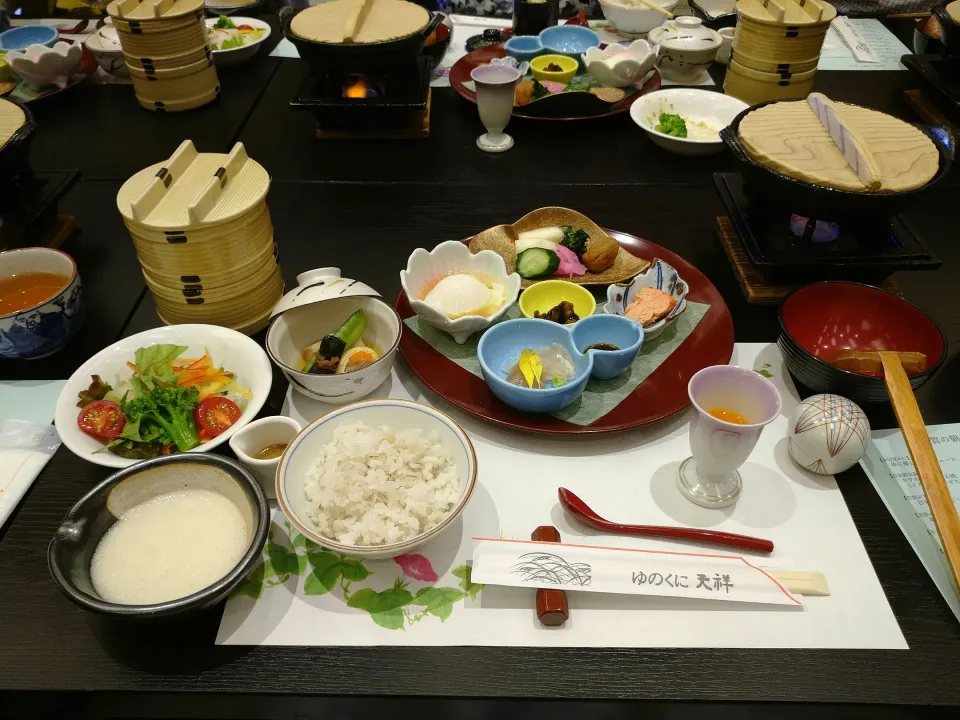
[(215, 414), (102, 419), (245, 27)]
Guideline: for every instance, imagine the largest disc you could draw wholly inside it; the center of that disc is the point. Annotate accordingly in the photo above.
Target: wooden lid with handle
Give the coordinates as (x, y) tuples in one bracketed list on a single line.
[(146, 10), (193, 189), (787, 12)]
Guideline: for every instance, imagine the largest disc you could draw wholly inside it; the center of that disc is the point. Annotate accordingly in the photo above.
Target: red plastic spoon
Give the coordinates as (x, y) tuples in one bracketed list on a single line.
[(578, 508)]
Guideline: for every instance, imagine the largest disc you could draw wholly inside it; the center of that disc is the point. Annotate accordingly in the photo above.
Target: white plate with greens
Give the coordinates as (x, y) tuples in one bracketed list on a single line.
[(686, 121), (155, 357), (235, 39)]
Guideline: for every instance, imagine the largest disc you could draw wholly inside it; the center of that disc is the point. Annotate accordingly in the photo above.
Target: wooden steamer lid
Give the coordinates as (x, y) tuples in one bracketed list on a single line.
[(145, 11), (787, 12), (12, 118), (336, 20), (790, 138), (193, 190)]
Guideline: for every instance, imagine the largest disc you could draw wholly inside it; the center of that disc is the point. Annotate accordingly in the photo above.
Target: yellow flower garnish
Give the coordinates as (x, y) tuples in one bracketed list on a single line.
[(531, 368)]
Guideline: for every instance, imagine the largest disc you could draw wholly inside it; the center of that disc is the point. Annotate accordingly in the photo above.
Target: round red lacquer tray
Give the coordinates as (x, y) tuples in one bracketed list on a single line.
[(659, 396), (460, 73)]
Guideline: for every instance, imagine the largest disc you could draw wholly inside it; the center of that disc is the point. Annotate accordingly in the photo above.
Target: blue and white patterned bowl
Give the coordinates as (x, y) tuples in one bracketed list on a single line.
[(659, 275), (43, 329)]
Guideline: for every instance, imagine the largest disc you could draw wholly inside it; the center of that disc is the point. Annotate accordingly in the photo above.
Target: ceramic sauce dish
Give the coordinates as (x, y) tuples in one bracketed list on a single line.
[(619, 66), (260, 434)]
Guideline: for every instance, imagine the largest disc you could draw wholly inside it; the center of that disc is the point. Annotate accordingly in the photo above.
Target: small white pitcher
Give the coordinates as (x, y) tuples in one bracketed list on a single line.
[(250, 440)]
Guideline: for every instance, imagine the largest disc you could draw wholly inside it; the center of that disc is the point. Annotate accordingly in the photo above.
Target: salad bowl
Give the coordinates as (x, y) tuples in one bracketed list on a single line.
[(232, 351), (235, 40), (659, 276), (448, 258), (705, 112)]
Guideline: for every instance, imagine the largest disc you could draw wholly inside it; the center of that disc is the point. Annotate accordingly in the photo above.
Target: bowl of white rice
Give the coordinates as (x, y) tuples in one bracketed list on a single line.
[(377, 478)]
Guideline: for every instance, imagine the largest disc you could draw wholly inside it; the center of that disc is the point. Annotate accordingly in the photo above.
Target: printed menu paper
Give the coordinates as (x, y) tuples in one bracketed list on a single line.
[(888, 465), (861, 44)]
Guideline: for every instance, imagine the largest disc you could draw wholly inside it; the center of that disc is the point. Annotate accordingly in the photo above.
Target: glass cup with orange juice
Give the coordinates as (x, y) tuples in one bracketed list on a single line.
[(731, 407)]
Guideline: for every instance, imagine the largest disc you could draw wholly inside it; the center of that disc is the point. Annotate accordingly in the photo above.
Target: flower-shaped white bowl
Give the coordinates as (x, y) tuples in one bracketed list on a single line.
[(659, 275), (40, 65), (424, 269), (619, 66)]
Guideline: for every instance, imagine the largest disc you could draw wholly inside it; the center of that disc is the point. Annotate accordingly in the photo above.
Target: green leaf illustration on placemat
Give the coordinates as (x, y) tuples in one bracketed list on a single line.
[(385, 607), (471, 588), (327, 568), (289, 553), (600, 396)]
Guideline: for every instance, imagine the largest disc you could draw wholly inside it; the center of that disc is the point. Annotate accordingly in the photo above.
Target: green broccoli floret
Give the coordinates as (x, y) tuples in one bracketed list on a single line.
[(670, 124), (171, 410), (576, 240), (224, 23)]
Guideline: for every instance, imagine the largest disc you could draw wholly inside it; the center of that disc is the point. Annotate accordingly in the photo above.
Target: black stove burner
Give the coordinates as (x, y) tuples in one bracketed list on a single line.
[(789, 248), (28, 205), (400, 100)]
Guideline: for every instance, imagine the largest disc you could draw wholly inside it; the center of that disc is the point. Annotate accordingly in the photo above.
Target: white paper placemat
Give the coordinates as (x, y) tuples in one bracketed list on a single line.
[(429, 599)]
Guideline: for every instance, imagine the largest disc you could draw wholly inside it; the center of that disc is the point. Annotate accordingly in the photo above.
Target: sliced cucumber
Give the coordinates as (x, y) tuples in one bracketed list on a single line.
[(537, 263)]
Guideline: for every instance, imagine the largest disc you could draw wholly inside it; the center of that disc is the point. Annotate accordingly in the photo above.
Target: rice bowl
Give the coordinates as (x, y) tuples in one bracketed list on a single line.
[(376, 478)]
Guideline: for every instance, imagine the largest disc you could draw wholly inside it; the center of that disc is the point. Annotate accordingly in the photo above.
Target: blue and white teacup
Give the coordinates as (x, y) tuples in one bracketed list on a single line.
[(43, 328)]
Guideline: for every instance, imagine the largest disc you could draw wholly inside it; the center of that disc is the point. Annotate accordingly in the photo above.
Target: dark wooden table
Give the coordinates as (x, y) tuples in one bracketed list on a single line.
[(363, 206)]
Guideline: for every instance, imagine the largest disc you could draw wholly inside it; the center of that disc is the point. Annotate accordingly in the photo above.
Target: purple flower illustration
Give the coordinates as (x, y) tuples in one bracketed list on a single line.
[(416, 567)]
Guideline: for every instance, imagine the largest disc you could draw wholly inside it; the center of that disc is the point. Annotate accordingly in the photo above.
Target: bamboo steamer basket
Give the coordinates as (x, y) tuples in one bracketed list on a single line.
[(755, 87), (167, 62), (202, 260), (208, 278), (153, 27), (176, 42), (242, 294), (240, 226), (179, 105), (783, 68), (230, 312), (172, 74), (782, 31), (153, 89), (202, 231)]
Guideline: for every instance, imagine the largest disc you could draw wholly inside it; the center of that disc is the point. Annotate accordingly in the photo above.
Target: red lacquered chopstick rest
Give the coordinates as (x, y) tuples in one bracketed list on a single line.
[(579, 509), (552, 608)]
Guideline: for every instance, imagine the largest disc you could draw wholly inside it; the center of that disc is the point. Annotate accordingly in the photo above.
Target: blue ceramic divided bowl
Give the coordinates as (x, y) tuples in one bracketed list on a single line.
[(523, 47), (609, 329), (500, 348), (19, 38), (569, 40)]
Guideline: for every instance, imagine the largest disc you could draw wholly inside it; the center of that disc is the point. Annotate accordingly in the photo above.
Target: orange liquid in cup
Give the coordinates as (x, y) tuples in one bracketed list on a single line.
[(730, 416), (28, 289)]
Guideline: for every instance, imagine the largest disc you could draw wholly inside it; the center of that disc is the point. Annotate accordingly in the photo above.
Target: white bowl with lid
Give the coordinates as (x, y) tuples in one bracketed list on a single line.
[(317, 306), (686, 47)]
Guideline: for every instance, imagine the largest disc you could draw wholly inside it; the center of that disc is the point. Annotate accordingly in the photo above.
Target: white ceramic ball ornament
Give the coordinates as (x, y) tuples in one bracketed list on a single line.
[(828, 434)]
